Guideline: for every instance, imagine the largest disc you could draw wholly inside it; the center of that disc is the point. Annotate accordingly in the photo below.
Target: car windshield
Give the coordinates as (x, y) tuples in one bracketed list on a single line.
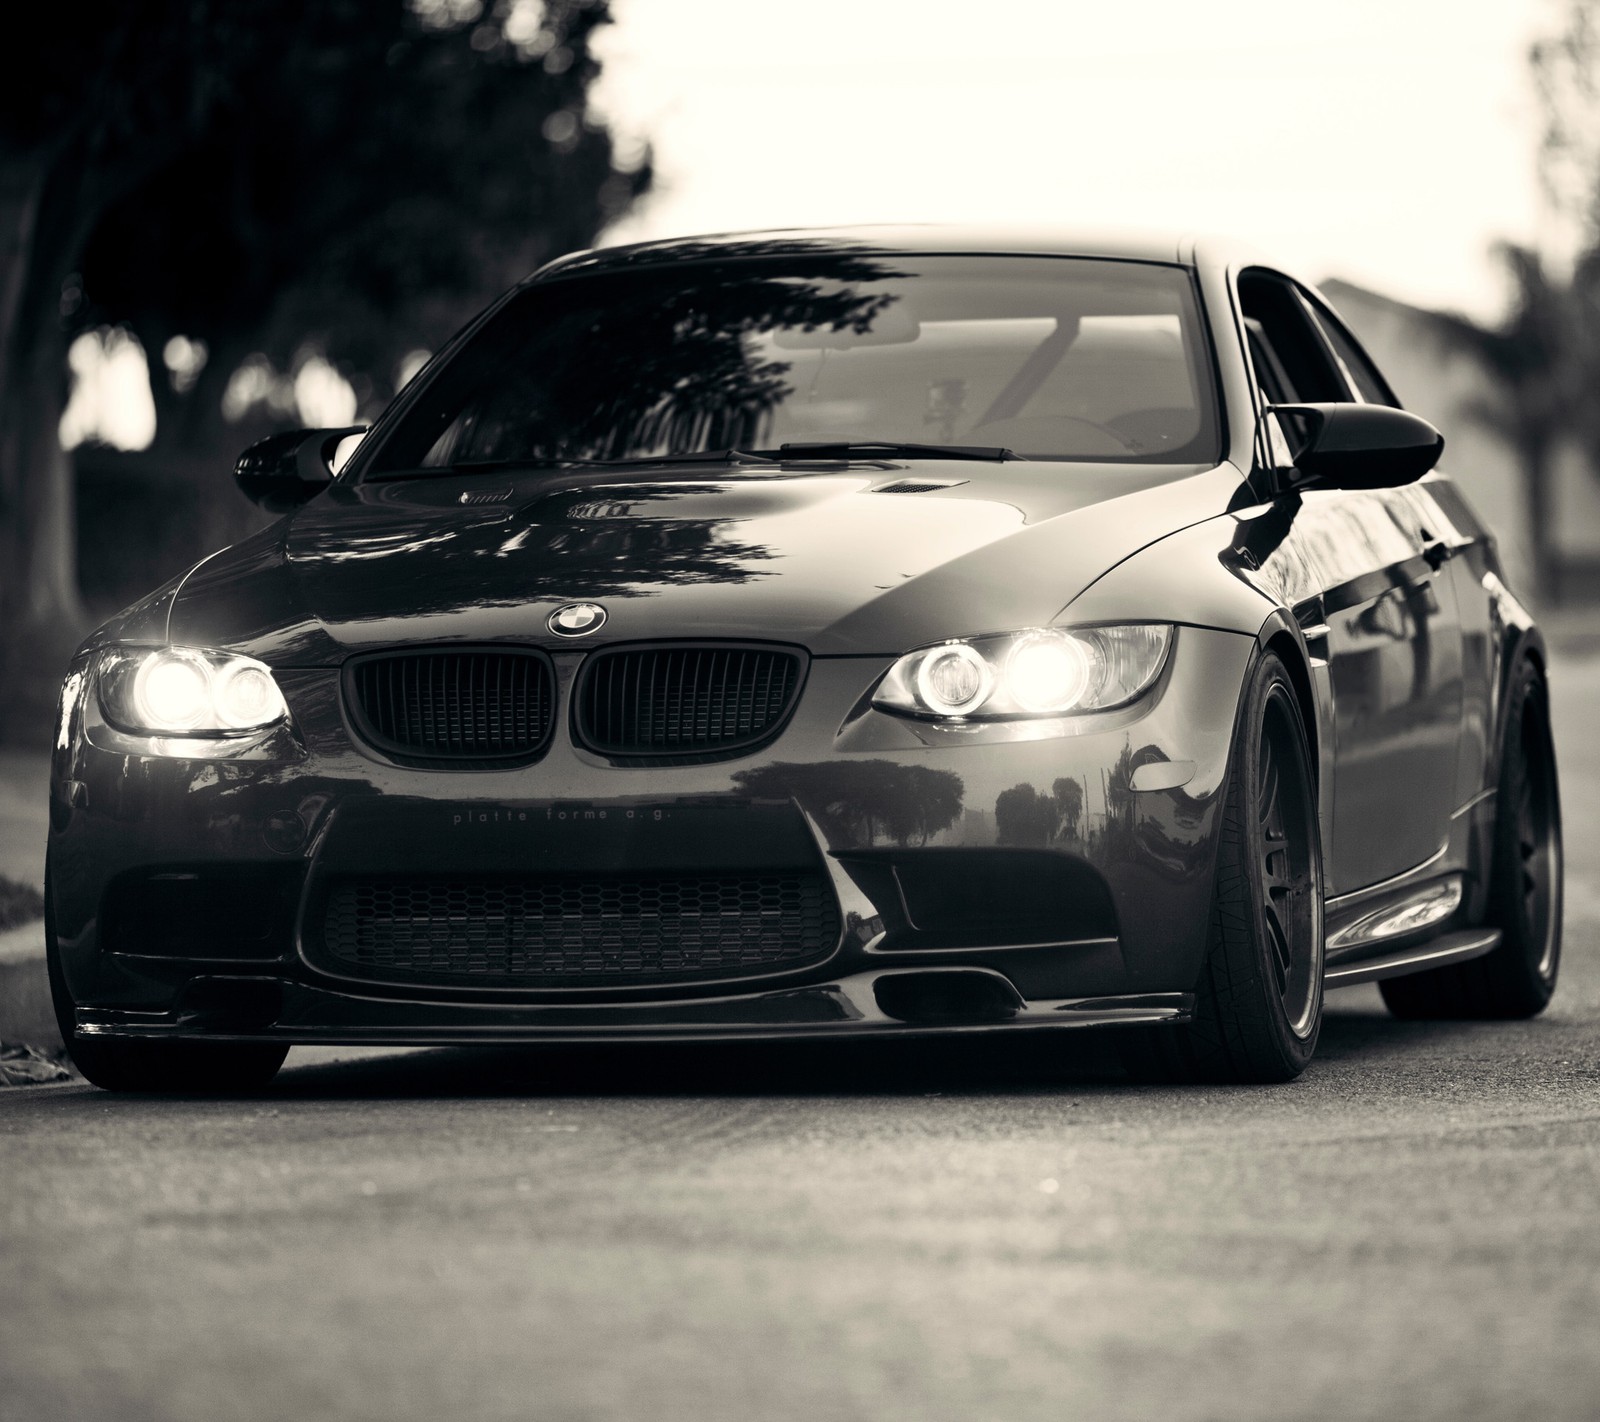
[(1045, 357)]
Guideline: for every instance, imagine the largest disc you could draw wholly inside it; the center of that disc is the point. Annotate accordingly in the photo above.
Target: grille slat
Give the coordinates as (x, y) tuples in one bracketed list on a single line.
[(676, 701), (447, 705), (580, 930)]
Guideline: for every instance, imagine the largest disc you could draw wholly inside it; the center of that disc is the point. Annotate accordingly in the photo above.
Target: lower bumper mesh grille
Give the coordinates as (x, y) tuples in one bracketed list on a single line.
[(580, 930)]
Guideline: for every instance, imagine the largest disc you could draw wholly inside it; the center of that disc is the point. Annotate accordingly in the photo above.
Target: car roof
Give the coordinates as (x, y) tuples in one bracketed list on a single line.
[(1175, 247)]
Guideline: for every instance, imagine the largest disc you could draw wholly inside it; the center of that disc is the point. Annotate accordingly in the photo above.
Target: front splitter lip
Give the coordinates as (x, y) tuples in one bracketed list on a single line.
[(326, 1019)]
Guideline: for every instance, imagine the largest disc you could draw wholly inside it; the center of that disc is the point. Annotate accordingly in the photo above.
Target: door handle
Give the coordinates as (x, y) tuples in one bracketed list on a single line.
[(1436, 555)]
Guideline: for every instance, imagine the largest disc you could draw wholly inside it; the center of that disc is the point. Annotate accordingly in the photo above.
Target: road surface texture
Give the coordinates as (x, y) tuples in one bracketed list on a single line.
[(1412, 1230)]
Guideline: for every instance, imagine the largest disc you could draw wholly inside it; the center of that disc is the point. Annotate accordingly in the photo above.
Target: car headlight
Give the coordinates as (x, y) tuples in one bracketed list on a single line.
[(187, 691), (1045, 671)]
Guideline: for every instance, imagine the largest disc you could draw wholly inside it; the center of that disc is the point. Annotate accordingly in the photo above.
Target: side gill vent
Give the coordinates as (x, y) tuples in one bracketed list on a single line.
[(917, 486)]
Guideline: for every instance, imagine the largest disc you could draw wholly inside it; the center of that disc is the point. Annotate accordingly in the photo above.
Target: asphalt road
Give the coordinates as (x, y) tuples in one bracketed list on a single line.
[(1412, 1230)]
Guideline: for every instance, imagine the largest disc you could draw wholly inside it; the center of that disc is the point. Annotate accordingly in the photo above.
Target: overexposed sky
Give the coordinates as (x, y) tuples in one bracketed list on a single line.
[(1389, 142)]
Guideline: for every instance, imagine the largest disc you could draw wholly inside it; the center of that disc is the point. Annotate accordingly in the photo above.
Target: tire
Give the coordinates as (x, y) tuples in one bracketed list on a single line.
[(187, 1068), (1525, 883), (1258, 1003)]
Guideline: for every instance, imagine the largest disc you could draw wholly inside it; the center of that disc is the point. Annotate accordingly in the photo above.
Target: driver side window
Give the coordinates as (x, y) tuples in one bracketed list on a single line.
[(1292, 362), (1270, 374)]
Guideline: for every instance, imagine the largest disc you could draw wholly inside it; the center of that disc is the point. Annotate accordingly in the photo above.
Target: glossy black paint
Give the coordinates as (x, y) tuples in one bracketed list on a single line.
[(1353, 446), (284, 471), (1041, 873)]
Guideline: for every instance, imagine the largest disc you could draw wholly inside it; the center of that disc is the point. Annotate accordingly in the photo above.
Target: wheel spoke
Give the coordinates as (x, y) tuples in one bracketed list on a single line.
[(1287, 877), (1530, 841), (1282, 956), (1267, 802)]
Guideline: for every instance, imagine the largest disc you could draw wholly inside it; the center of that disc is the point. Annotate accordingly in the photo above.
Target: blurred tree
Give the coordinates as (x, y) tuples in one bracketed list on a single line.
[(351, 177), (1565, 66), (1068, 795), (864, 801), (1531, 354), (1546, 352), (1566, 69), (1022, 816)]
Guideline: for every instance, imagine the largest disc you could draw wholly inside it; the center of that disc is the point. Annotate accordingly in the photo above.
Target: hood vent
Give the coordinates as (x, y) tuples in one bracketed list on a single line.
[(917, 486)]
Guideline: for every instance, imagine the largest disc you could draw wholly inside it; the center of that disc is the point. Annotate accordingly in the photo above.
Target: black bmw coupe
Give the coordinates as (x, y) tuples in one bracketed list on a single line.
[(858, 633)]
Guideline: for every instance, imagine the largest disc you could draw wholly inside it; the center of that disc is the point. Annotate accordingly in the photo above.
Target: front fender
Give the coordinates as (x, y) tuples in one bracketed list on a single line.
[(1513, 635), (1194, 576), (1199, 577)]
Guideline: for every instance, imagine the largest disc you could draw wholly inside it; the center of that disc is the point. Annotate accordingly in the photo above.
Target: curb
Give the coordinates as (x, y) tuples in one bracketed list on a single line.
[(26, 1015)]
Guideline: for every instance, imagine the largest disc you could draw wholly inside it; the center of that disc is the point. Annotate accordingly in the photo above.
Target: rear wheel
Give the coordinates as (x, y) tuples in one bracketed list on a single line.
[(193, 1068), (1258, 1004), (1518, 978)]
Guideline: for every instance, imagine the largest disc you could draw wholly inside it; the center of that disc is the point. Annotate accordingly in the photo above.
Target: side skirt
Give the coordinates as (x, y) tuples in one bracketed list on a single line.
[(1438, 952)]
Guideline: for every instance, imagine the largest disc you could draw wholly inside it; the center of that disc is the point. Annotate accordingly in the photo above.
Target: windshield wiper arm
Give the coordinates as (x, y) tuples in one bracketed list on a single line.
[(698, 456), (470, 466), (837, 449), (490, 466)]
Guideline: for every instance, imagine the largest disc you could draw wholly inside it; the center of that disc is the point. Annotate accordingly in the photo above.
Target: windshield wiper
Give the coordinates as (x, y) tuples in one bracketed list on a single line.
[(830, 449), (474, 466), (490, 466), (703, 456), (699, 456)]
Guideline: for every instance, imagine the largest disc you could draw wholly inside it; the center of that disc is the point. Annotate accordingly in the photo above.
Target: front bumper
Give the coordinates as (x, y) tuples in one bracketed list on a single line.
[(1013, 876), (895, 1002)]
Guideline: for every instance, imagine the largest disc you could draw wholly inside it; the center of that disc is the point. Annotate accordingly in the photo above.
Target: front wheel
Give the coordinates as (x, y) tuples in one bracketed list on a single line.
[(1258, 1004), (189, 1068)]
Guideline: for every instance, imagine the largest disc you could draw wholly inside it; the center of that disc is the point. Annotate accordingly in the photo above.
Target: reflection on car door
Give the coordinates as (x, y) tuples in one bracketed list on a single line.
[(1394, 654), (1361, 568)]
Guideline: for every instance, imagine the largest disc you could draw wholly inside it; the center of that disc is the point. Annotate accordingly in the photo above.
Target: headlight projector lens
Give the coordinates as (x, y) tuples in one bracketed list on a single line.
[(1048, 672), (172, 692), (953, 679)]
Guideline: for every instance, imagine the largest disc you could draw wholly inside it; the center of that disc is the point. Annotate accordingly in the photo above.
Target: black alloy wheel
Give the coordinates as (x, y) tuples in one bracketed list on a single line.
[(1285, 832), (1525, 882), (1258, 1003), (184, 1068)]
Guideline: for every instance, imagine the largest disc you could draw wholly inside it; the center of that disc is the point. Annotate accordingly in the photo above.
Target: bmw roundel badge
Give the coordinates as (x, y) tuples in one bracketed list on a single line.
[(577, 619)]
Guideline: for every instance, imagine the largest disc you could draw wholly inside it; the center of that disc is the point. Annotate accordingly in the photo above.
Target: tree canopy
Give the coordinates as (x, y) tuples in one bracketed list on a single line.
[(1545, 352), (350, 176)]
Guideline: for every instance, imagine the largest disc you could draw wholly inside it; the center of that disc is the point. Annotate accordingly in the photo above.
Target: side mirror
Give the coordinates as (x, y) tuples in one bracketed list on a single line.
[(283, 471), (1348, 446)]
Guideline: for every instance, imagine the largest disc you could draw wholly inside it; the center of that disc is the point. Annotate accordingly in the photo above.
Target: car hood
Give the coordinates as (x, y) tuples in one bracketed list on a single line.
[(845, 561)]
